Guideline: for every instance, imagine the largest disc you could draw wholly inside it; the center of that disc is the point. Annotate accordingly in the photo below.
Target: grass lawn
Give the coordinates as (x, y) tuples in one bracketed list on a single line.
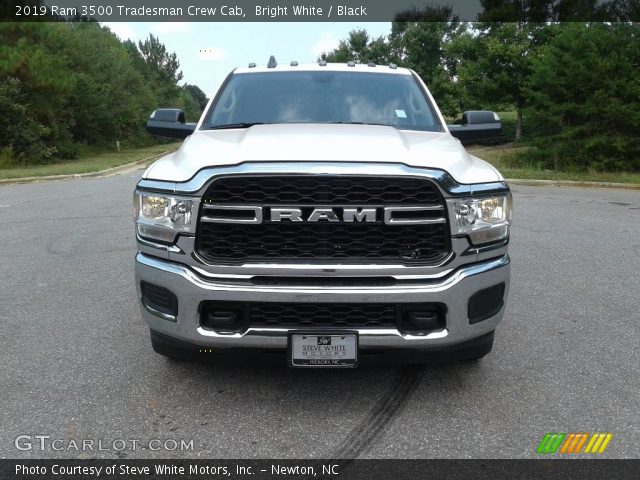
[(91, 163), (502, 156)]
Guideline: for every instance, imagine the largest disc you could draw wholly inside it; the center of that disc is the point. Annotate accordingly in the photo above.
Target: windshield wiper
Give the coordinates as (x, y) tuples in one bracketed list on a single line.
[(251, 124), (236, 125), (360, 123)]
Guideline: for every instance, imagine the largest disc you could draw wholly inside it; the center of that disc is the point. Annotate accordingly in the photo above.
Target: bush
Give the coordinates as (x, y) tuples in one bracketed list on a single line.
[(584, 94), (68, 86), (508, 134), (23, 138)]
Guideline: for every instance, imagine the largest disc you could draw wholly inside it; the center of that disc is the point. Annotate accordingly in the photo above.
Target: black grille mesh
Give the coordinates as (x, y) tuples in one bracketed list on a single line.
[(322, 315), (319, 190), (323, 241)]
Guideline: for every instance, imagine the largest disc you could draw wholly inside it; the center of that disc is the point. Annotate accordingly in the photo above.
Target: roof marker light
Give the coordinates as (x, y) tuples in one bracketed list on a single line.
[(393, 66), (322, 63), (351, 64), (252, 65), (294, 63)]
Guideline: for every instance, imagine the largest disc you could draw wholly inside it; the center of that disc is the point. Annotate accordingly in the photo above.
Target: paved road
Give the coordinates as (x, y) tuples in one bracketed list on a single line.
[(75, 360)]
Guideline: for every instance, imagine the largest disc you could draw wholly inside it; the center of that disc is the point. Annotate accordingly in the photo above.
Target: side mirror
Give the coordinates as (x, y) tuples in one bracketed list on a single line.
[(169, 122), (477, 125)]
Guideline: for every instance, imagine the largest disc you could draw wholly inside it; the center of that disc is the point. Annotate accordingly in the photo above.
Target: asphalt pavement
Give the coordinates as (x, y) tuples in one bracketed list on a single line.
[(76, 363)]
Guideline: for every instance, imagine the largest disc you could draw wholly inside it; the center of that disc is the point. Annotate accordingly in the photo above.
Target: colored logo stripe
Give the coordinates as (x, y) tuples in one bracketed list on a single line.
[(573, 442), (598, 443), (550, 442)]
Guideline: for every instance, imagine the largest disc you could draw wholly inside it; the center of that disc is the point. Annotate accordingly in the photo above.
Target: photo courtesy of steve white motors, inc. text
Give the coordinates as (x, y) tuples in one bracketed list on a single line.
[(168, 469)]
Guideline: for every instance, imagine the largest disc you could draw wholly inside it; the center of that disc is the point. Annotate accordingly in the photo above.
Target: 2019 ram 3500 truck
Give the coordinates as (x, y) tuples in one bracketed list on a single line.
[(323, 214)]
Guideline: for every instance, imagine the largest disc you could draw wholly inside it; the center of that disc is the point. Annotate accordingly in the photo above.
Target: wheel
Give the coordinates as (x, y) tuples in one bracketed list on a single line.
[(170, 348)]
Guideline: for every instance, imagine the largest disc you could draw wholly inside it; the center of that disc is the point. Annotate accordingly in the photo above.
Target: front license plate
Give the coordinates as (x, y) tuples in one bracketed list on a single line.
[(323, 350)]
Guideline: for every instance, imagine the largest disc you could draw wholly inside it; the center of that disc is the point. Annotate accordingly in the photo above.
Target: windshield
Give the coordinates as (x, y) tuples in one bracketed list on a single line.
[(323, 97)]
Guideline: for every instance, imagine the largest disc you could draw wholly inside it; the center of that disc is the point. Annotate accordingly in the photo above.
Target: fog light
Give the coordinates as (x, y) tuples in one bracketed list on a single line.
[(223, 317), (429, 318)]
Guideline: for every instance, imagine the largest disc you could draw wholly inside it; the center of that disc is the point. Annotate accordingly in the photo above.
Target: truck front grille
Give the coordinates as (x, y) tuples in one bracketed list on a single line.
[(323, 315), (343, 242)]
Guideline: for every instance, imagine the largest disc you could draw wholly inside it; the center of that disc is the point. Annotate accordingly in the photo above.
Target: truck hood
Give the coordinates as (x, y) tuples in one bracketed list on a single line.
[(326, 143)]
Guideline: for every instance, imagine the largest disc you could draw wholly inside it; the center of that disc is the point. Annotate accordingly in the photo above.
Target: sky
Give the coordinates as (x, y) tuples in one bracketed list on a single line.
[(207, 52)]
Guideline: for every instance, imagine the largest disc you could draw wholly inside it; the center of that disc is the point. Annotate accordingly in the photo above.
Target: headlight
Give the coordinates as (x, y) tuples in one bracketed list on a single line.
[(484, 220), (161, 217)]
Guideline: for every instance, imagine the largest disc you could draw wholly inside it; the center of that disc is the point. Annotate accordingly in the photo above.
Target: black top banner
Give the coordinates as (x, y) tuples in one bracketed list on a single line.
[(322, 10)]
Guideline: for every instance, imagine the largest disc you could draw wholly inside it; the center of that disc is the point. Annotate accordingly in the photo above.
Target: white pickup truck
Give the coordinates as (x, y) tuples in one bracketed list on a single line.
[(322, 215)]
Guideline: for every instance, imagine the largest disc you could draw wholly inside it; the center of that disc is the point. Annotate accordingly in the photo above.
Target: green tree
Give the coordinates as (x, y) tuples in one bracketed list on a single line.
[(19, 132), (67, 85), (160, 69), (495, 63), (198, 95), (559, 10), (360, 48), (186, 102), (27, 55), (162, 63), (586, 86), (110, 96), (418, 38), (522, 11)]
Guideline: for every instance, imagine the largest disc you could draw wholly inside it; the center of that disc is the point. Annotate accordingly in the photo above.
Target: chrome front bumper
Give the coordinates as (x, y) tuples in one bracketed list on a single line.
[(192, 288)]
